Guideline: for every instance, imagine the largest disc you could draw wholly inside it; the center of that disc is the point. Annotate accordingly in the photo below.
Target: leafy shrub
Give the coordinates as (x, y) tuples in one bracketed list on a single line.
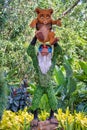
[(3, 92), (71, 87), (76, 121), (21, 120), (16, 121)]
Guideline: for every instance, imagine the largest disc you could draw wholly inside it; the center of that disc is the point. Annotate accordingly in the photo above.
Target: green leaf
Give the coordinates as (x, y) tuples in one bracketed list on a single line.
[(71, 85), (67, 67), (44, 103), (83, 66), (59, 76), (81, 77)]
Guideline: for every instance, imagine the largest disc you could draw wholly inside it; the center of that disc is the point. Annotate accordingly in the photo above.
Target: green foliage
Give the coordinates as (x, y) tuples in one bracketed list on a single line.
[(59, 77), (3, 92), (44, 104), (70, 91), (25, 125), (82, 74), (66, 85), (14, 59)]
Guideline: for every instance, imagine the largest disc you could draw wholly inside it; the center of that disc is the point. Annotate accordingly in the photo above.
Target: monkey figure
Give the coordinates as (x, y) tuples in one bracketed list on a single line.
[(43, 24)]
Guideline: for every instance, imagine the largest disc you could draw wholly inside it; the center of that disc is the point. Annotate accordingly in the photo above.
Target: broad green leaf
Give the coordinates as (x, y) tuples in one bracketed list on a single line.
[(59, 76), (71, 85), (83, 66), (67, 67)]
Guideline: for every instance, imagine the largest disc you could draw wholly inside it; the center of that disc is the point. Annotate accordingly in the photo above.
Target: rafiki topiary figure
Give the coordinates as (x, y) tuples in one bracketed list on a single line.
[(44, 63)]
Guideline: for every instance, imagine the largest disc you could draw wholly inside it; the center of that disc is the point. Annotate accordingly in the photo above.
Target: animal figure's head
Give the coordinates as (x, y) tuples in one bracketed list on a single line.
[(44, 15)]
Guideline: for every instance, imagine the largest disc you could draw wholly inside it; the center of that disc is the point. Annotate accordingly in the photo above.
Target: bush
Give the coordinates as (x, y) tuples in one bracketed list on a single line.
[(3, 92), (21, 120)]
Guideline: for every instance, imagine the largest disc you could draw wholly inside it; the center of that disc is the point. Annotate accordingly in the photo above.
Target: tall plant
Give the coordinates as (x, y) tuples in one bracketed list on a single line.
[(71, 90), (66, 85), (3, 93)]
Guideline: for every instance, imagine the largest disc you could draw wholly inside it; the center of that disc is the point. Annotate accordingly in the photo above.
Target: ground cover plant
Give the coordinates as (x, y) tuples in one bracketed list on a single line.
[(21, 120)]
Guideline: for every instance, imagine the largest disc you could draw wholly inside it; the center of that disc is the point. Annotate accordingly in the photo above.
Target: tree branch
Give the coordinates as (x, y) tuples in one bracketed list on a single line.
[(69, 9)]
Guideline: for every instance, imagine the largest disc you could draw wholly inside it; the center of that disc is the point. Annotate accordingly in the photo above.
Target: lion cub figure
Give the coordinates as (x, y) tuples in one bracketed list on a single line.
[(43, 24)]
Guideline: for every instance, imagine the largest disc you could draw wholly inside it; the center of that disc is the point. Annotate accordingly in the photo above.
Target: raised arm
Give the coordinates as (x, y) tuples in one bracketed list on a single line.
[(32, 53), (57, 52), (33, 23), (57, 22)]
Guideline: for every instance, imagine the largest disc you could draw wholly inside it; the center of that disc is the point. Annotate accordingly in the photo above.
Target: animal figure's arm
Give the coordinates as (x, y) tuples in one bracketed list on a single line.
[(33, 23), (56, 53), (32, 53), (57, 22), (33, 42)]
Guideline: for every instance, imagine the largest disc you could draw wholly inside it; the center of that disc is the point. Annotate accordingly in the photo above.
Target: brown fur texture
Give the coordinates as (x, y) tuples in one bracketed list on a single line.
[(43, 24)]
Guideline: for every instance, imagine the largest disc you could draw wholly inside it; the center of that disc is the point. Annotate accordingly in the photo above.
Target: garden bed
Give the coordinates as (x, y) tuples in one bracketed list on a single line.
[(21, 120)]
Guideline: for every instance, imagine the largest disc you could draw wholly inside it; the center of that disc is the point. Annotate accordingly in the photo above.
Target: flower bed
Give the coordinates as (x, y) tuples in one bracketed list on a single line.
[(16, 120), (21, 120)]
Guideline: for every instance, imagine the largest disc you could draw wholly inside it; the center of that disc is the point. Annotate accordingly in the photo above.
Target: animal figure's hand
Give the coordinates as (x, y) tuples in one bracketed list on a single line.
[(55, 41)]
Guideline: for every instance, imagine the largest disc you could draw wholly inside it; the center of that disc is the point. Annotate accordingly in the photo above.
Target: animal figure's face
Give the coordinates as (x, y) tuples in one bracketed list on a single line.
[(44, 15)]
